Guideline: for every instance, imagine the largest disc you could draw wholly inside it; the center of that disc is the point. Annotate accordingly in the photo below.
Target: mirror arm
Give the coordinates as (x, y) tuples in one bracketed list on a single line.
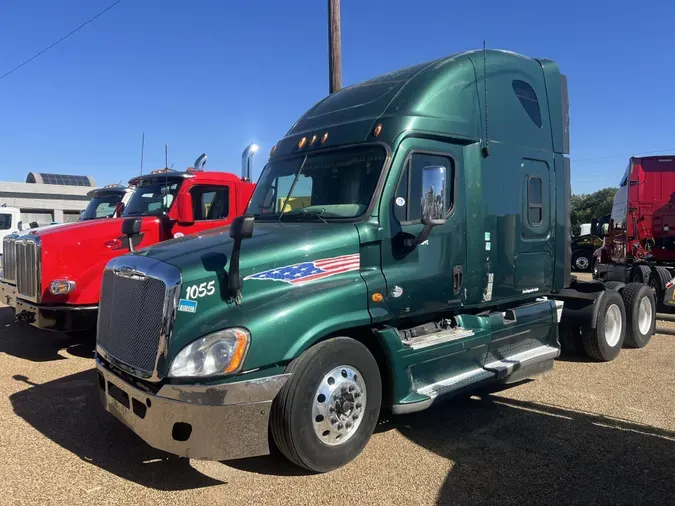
[(421, 237)]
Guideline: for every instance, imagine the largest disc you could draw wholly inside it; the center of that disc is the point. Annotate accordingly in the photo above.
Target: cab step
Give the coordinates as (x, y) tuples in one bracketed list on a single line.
[(444, 336)]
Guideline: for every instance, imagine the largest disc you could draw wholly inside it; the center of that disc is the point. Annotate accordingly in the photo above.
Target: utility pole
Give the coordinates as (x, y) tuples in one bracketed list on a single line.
[(334, 46)]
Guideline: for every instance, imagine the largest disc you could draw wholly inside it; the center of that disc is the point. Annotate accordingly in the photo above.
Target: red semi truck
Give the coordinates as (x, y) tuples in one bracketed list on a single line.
[(54, 279), (640, 241)]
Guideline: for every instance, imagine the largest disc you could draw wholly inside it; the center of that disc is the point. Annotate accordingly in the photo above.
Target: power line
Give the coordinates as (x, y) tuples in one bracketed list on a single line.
[(61, 39), (580, 160)]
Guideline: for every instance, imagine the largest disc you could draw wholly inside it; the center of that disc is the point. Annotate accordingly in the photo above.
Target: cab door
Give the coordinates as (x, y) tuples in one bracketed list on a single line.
[(427, 277), (212, 206)]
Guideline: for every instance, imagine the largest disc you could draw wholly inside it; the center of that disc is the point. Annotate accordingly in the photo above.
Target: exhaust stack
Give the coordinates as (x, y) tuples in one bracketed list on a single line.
[(246, 163), (200, 162)]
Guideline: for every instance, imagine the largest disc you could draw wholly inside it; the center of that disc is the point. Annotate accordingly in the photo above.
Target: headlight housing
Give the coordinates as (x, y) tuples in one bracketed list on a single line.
[(61, 286), (219, 353)]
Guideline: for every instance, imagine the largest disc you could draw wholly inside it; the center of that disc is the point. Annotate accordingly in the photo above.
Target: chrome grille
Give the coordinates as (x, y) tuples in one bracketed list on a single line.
[(27, 255), (136, 312), (8, 259)]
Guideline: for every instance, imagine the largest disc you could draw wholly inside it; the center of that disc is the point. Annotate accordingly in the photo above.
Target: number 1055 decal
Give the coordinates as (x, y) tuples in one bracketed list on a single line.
[(197, 291)]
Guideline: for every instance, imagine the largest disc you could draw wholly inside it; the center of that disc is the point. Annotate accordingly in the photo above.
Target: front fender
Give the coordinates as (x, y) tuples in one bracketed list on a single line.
[(284, 320)]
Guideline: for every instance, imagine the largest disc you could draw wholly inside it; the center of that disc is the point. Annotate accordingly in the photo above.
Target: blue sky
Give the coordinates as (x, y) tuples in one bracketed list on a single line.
[(212, 75)]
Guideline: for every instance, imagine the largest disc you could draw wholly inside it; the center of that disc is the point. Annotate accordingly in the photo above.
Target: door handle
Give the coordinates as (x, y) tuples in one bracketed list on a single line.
[(457, 279)]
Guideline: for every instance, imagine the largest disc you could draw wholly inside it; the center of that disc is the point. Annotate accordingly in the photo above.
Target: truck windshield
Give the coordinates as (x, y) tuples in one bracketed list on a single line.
[(152, 199), (5, 221), (101, 207), (334, 185)]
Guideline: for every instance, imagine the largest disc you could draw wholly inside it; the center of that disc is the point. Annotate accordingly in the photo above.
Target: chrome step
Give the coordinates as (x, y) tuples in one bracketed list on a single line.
[(455, 382), (538, 354), (417, 343)]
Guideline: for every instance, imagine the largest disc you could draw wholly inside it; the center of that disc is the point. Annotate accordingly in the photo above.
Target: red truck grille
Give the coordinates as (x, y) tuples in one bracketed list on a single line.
[(8, 260), (27, 255)]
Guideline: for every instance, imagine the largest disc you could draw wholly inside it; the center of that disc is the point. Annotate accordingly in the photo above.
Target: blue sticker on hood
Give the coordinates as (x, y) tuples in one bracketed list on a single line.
[(187, 306)]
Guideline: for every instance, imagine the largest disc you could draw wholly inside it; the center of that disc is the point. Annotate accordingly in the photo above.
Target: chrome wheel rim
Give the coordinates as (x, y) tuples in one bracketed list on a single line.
[(613, 325), (338, 405), (582, 263), (645, 313)]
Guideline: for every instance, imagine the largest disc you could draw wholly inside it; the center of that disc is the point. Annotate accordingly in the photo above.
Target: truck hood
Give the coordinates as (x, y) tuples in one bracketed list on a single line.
[(273, 245), (288, 269), (79, 252)]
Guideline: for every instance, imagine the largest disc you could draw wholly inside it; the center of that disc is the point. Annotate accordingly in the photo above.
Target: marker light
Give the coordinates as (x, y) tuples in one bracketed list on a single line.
[(313, 140), (61, 286), (302, 143), (274, 148), (324, 138), (378, 129)]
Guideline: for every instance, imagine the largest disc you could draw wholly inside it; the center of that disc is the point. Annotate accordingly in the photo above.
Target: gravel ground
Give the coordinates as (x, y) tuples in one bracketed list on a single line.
[(585, 433)]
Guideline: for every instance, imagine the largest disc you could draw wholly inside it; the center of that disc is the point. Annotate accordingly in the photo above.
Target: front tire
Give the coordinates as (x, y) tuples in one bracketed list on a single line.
[(640, 314), (604, 342), (326, 412)]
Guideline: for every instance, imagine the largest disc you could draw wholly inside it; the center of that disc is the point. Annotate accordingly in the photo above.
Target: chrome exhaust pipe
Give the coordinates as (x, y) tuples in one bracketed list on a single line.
[(200, 162), (246, 162)]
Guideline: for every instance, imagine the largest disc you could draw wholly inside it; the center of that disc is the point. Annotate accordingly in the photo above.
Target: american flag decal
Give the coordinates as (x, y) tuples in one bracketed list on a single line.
[(309, 271)]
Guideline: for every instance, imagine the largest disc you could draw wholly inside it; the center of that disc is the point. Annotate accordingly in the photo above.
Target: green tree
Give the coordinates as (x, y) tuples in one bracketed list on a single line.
[(587, 206)]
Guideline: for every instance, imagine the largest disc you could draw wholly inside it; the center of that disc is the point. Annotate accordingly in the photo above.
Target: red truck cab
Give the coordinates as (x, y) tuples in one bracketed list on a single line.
[(56, 278), (106, 202), (640, 240)]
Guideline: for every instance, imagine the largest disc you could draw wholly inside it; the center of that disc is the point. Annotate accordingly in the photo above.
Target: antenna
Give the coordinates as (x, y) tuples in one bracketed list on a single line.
[(142, 151), (486, 146), (166, 155)]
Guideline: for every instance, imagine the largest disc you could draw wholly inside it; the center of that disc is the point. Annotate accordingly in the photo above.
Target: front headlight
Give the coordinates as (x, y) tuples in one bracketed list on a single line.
[(222, 352)]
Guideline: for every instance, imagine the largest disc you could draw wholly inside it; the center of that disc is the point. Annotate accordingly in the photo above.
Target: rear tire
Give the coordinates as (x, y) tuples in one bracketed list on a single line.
[(570, 340), (328, 375), (640, 274), (604, 342), (640, 314), (582, 260), (658, 281)]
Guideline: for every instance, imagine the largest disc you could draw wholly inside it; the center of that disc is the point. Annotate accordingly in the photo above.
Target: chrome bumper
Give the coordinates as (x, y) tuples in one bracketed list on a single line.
[(7, 294), (207, 422)]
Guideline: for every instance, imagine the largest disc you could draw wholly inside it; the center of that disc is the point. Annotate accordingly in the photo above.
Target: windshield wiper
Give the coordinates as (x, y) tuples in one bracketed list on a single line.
[(301, 213), (290, 190)]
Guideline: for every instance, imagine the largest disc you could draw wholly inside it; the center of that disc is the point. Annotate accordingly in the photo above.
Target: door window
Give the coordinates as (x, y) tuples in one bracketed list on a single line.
[(409, 195), (5, 221), (210, 202)]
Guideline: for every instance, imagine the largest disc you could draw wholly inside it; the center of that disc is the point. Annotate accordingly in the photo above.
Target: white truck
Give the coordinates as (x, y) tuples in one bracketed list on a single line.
[(10, 222)]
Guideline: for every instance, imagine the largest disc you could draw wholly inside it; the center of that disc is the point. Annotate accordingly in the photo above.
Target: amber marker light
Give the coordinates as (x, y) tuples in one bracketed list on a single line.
[(302, 143), (274, 148), (378, 129), (324, 138), (313, 140), (377, 297), (239, 351)]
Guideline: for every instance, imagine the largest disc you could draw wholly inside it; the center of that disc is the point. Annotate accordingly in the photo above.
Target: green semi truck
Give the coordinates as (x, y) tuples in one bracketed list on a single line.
[(427, 253)]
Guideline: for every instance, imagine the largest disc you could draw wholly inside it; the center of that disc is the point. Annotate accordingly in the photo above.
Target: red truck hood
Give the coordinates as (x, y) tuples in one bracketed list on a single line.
[(80, 251)]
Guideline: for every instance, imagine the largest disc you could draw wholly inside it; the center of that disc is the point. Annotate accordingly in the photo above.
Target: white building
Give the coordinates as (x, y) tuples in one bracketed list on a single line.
[(46, 198)]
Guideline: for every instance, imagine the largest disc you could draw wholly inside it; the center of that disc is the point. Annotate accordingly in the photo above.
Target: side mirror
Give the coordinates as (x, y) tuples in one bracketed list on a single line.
[(434, 202), (242, 227), (131, 227), (184, 207)]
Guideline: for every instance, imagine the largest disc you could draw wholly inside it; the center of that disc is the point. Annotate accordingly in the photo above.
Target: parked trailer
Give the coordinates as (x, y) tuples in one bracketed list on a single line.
[(424, 261), (54, 282)]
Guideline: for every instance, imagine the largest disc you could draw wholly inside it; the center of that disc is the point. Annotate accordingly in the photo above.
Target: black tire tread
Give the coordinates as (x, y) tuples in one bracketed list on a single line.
[(589, 337), (282, 405), (569, 340), (640, 274), (613, 285), (629, 294)]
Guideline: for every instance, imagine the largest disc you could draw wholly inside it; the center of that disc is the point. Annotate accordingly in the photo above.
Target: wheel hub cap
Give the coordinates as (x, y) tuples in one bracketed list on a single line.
[(645, 315), (582, 263), (613, 325), (338, 405)]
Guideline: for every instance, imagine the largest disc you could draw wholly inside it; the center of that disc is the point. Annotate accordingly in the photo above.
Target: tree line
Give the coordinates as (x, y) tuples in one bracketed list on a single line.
[(586, 206)]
